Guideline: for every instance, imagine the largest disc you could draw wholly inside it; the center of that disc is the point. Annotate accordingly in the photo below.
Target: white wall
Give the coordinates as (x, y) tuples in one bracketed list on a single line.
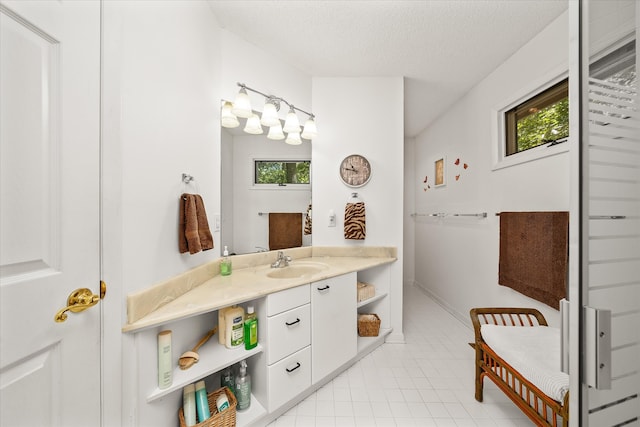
[(244, 63), (160, 119), (457, 258), (361, 116), (166, 67)]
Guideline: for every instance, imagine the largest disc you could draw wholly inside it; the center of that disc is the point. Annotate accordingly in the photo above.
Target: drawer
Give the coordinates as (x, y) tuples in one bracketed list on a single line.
[(288, 332), (289, 377), (288, 299)]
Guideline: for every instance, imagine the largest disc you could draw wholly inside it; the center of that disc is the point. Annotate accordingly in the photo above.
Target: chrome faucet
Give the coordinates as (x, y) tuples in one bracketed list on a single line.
[(282, 261)]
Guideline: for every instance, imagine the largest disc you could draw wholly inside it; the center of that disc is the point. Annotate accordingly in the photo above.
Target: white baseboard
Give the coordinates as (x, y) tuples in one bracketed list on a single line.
[(462, 317)]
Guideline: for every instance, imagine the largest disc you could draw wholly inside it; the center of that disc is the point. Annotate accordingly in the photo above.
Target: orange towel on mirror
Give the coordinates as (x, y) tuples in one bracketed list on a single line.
[(193, 228)]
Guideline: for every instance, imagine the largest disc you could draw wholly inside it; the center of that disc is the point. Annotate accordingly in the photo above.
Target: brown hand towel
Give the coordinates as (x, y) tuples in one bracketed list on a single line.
[(193, 229), (534, 254), (355, 226), (285, 230), (206, 239)]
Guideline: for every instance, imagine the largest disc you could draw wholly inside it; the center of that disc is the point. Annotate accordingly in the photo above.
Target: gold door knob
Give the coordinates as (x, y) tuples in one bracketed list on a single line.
[(79, 300)]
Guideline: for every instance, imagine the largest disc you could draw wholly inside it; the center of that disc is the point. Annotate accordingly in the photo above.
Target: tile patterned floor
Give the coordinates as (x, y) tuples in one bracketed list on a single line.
[(428, 381)]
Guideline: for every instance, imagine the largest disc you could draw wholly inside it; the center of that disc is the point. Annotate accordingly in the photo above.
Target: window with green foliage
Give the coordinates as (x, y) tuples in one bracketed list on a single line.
[(282, 172), (541, 119)]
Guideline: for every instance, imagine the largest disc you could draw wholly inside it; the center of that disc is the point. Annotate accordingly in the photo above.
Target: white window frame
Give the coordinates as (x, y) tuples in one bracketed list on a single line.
[(286, 187), (498, 135)]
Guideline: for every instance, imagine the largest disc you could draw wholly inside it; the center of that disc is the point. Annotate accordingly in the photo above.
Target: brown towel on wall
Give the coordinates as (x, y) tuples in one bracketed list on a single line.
[(193, 228), (285, 230), (355, 224), (534, 254)]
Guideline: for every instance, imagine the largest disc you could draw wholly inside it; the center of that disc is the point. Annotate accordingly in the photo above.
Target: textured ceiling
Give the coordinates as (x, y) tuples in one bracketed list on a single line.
[(442, 48)]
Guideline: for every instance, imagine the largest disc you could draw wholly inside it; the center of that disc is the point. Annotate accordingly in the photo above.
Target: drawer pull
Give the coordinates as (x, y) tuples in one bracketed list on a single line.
[(293, 323), (294, 368), (323, 289)]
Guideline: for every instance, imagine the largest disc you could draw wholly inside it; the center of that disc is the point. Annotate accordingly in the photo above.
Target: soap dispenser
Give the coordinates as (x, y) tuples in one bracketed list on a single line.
[(243, 387), (225, 264)]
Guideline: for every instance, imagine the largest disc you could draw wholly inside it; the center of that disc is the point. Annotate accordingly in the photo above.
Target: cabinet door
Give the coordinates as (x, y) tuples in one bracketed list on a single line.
[(333, 324)]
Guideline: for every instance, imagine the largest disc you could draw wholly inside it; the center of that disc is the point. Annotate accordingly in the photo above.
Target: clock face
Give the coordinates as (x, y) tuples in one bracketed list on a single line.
[(355, 170)]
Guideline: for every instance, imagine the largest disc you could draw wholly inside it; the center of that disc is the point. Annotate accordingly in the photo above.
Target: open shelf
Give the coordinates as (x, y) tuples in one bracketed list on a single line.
[(375, 298), (248, 416), (365, 343), (213, 358)]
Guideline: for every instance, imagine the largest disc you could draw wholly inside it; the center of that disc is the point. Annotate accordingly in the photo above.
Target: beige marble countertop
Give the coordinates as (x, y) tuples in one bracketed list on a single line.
[(203, 290)]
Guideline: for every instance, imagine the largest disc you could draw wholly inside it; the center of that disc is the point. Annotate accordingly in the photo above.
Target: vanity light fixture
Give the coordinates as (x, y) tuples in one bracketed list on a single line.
[(241, 107), (293, 138), (227, 118), (275, 132), (253, 125), (242, 104)]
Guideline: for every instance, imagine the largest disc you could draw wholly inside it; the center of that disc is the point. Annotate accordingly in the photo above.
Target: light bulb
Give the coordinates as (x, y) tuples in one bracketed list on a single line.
[(291, 124), (275, 132), (227, 118), (293, 138), (242, 104), (269, 114), (309, 131), (253, 125)]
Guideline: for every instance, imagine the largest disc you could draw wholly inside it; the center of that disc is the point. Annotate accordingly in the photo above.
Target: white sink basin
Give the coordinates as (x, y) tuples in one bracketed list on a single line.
[(297, 270)]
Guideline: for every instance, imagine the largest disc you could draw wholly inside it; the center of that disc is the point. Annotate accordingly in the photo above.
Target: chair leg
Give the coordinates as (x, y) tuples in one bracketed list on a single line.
[(479, 382)]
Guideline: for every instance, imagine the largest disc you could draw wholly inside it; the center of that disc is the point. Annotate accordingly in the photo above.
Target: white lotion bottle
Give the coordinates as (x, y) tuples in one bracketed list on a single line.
[(165, 371), (189, 405)]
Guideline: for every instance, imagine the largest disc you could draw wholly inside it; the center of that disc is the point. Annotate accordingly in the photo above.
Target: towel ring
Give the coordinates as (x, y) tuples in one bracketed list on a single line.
[(189, 179)]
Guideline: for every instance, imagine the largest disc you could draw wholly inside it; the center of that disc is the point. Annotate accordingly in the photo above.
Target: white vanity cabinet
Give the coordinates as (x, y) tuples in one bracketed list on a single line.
[(284, 368), (333, 324)]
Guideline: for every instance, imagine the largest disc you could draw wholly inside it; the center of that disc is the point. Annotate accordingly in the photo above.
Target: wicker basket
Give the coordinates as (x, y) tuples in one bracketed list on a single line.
[(226, 418), (365, 291), (368, 325)]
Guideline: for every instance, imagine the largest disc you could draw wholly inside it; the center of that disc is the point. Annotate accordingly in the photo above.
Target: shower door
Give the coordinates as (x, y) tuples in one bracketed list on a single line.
[(609, 290)]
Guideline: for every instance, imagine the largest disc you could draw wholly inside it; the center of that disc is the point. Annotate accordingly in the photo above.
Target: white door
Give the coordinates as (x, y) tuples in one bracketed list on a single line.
[(49, 211)]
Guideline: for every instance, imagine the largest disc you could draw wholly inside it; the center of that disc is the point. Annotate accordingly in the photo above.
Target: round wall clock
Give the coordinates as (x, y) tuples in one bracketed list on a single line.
[(355, 170)]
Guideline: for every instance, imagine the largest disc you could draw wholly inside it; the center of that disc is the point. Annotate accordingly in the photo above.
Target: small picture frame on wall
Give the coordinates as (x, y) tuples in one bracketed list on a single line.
[(439, 172)]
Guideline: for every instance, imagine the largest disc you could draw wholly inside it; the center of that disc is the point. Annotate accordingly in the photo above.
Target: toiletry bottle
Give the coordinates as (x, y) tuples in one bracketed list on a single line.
[(234, 327), (228, 379), (202, 403), (189, 404), (250, 329), (165, 369), (225, 264), (222, 402), (243, 387), (222, 325)]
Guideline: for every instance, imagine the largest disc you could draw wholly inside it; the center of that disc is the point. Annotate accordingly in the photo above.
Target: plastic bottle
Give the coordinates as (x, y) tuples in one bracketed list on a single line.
[(228, 379), (165, 368), (189, 404), (243, 387), (225, 264), (250, 329), (202, 403), (234, 327), (222, 333)]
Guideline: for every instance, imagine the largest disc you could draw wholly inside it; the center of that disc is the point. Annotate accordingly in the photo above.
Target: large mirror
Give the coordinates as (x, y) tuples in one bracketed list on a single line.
[(260, 176)]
